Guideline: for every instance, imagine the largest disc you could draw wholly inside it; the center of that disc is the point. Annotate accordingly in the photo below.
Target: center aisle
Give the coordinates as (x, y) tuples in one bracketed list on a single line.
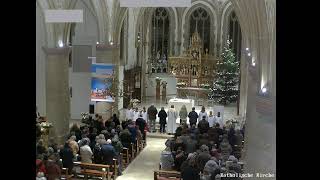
[(142, 167)]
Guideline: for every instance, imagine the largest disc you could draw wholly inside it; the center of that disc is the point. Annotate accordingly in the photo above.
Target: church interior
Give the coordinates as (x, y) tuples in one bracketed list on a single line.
[(156, 92)]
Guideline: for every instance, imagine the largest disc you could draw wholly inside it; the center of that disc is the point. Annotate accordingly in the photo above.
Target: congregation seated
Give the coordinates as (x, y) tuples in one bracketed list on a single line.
[(97, 143), (203, 152)]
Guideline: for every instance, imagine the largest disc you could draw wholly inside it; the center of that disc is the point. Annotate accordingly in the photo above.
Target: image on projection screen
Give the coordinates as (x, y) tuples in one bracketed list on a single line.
[(101, 82)]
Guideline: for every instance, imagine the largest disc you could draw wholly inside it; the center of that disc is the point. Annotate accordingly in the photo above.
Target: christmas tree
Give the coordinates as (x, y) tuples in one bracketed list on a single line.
[(225, 86)]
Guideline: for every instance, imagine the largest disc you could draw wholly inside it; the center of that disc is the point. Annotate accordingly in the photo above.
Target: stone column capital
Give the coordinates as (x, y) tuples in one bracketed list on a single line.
[(57, 51)]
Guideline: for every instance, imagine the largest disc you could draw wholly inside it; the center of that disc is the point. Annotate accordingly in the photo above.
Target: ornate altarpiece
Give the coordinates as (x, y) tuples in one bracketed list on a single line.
[(194, 70)]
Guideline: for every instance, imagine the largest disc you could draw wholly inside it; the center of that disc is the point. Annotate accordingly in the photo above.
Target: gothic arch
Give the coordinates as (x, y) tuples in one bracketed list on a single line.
[(185, 24), (173, 27)]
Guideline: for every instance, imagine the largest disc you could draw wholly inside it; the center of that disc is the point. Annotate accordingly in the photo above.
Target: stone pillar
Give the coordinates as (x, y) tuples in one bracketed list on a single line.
[(260, 133), (57, 91)]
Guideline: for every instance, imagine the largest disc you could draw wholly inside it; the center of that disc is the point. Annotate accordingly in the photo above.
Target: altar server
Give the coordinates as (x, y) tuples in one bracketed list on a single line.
[(129, 113), (212, 119), (172, 117), (136, 114), (144, 114)]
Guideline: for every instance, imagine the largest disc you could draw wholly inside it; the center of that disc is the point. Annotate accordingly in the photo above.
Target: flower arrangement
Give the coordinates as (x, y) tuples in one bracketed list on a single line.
[(85, 115), (134, 102), (45, 127)]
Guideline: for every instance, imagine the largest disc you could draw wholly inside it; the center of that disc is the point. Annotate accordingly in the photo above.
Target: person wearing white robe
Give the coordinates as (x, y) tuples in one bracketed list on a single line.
[(212, 119), (219, 120), (202, 114), (172, 117), (129, 114), (136, 114), (144, 114)]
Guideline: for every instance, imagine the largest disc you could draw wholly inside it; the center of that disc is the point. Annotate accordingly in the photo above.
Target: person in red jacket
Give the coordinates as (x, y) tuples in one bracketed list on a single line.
[(52, 168), (40, 167)]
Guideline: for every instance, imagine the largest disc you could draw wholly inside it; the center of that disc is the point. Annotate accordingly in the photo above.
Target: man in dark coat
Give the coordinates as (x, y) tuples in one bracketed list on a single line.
[(203, 125), (142, 124), (152, 113), (108, 153), (125, 138), (133, 131), (163, 116), (193, 116)]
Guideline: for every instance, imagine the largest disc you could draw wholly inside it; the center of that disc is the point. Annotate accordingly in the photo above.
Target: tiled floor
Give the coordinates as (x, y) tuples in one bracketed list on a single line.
[(143, 166)]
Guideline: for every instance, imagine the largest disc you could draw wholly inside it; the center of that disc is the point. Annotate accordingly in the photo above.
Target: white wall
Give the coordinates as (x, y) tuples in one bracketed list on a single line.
[(86, 33), (40, 63), (80, 100)]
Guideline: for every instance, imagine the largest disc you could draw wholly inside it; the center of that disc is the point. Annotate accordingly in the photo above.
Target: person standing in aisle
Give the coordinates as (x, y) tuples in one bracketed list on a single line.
[(152, 115), (193, 116), (172, 117), (129, 113), (162, 116)]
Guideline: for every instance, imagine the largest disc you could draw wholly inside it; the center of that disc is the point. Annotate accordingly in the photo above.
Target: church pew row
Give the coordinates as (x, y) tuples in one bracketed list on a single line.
[(106, 171), (167, 175), (97, 170)]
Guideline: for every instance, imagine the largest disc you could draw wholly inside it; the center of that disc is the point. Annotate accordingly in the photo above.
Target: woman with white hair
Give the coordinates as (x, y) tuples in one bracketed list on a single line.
[(74, 145), (85, 151)]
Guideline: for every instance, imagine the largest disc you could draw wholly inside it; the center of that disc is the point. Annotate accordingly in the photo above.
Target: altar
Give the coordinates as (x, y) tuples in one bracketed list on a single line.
[(178, 103)]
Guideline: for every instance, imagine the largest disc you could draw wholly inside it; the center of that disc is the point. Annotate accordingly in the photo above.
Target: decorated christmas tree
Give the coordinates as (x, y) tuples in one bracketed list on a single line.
[(225, 86)]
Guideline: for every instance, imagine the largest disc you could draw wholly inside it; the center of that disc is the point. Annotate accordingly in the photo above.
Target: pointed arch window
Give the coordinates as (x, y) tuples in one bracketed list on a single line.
[(160, 32), (200, 21), (235, 34)]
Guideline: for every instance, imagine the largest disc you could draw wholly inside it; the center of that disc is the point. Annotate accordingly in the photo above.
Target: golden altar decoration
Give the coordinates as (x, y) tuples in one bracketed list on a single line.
[(195, 68)]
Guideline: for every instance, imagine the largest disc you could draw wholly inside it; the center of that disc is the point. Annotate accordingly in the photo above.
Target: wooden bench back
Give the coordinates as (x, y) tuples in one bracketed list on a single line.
[(167, 174)]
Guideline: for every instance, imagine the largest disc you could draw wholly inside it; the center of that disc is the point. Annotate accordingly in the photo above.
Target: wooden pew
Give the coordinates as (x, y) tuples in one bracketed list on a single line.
[(98, 170), (132, 151), (126, 156), (65, 174), (172, 175)]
